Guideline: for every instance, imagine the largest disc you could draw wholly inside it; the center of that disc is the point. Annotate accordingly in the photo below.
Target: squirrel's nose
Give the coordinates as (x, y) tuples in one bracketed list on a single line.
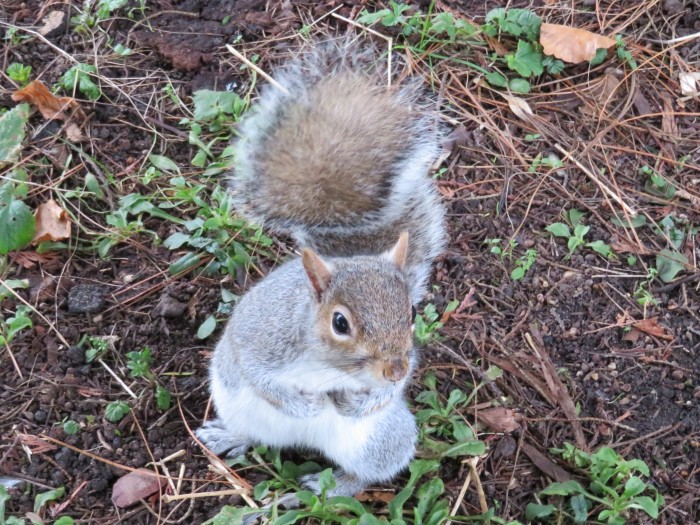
[(395, 369)]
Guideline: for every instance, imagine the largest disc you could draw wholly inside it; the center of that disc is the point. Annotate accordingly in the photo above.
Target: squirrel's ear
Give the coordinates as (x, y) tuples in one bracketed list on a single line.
[(317, 270), (397, 254)]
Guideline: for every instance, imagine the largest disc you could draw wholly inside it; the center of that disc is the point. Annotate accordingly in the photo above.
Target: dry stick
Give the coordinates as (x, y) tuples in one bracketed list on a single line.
[(389, 40), (255, 68), (461, 495), (117, 379), (215, 493), (477, 483), (595, 179)]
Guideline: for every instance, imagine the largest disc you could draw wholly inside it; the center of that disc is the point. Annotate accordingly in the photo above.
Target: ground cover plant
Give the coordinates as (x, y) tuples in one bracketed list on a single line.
[(559, 379)]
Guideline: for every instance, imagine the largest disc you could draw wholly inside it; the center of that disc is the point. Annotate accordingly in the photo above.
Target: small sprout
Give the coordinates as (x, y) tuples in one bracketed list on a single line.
[(115, 411), (70, 427)]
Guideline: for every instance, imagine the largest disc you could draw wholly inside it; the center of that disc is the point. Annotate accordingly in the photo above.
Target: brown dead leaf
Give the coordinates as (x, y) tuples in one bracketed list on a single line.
[(49, 105), (35, 444), (652, 327), (73, 133), (668, 121), (52, 223), (571, 44), (519, 106), (374, 496), (545, 464), (632, 336), (136, 485), (624, 246), (496, 45), (498, 419), (31, 259), (52, 21), (641, 103)]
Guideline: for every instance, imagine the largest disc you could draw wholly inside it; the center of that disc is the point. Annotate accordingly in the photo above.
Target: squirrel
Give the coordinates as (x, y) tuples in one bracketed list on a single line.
[(317, 355)]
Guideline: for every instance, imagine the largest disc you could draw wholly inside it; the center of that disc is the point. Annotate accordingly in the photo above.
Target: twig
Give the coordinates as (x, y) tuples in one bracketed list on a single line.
[(477, 483), (215, 493), (255, 68), (595, 179), (460, 496), (117, 379)]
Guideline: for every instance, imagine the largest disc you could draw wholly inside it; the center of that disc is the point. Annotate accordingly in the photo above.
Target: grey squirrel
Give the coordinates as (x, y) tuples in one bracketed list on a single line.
[(317, 355)]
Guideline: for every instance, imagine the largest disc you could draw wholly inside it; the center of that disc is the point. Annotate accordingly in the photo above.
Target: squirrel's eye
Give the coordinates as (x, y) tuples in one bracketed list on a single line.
[(413, 313), (340, 324)]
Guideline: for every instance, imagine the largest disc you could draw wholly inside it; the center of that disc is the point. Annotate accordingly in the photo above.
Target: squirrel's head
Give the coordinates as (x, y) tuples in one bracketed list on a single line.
[(364, 315)]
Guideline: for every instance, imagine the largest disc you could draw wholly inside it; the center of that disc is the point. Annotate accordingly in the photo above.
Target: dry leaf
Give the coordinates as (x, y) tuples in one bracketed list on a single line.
[(689, 83), (571, 44), (73, 132), (374, 496), (52, 223), (49, 105), (545, 464), (29, 260), (652, 327), (52, 21), (668, 122), (624, 246), (35, 444), (136, 485), (518, 106), (498, 419)]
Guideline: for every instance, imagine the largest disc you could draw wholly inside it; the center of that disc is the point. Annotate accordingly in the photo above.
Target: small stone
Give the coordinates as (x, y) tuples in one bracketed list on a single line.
[(594, 376), (40, 416), (169, 307), (677, 375), (86, 298), (76, 355), (625, 401), (612, 366), (626, 387)]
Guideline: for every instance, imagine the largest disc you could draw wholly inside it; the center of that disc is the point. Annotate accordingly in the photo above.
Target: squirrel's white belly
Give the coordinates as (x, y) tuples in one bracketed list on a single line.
[(245, 413)]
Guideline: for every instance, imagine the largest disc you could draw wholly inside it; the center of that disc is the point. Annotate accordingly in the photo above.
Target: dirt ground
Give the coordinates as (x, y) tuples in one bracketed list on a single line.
[(570, 333)]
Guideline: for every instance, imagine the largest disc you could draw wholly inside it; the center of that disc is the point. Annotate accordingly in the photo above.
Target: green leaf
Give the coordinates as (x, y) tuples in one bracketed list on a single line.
[(70, 427), (176, 240), (470, 448), (519, 85), (12, 284), (633, 487), (534, 511), (634, 222), (552, 65), (185, 262), (527, 60), (206, 328), (347, 504), (563, 489), (64, 520), (575, 216), (18, 225), (52, 495), (163, 163), (79, 76), (600, 55), (368, 18), (669, 264), (525, 21), (601, 248), (12, 124), (231, 515), (559, 229), (580, 506), (646, 504), (115, 411), (517, 273), (417, 469), (208, 104), (163, 398), (496, 78), (369, 519)]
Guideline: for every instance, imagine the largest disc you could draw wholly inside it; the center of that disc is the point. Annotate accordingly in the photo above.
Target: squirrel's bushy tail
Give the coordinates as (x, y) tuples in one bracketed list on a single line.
[(340, 162)]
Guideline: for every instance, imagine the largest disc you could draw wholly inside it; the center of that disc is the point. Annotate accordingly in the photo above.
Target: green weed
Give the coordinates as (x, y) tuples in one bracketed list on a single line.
[(10, 327), (427, 324), (79, 79), (115, 411), (19, 73), (613, 489), (576, 239)]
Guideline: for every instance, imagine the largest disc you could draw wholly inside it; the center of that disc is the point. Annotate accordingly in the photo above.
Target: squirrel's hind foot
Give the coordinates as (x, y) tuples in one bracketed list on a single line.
[(217, 438), (345, 484)]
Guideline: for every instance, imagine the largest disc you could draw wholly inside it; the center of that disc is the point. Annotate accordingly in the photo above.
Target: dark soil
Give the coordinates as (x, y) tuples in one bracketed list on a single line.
[(637, 392)]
